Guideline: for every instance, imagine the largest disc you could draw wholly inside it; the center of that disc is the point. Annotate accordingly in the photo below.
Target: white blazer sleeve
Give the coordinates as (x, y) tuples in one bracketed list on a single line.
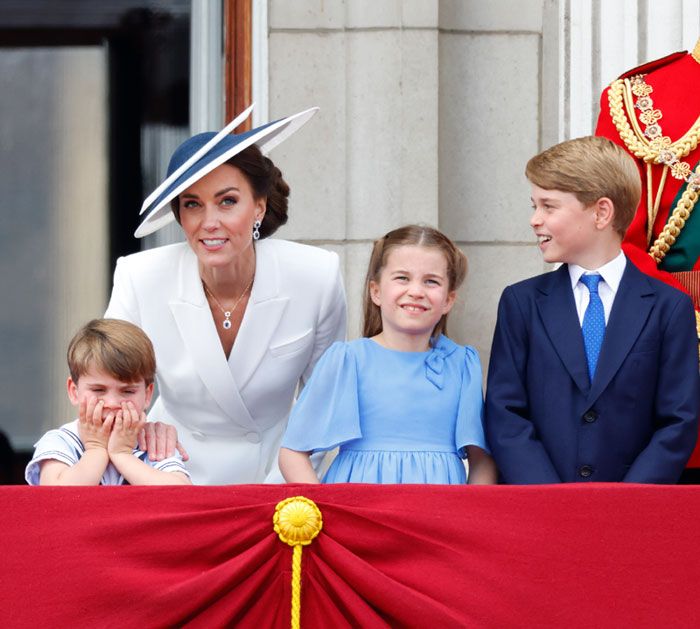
[(123, 303), (332, 318)]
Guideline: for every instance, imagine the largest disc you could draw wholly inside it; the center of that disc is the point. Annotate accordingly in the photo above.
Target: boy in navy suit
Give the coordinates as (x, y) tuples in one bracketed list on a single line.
[(594, 366)]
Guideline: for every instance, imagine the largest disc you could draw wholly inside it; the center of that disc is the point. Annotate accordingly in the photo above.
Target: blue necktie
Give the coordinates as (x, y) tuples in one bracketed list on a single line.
[(593, 327)]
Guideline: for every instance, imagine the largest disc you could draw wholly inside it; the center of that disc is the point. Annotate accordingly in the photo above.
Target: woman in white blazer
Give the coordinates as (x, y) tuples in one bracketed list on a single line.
[(237, 323)]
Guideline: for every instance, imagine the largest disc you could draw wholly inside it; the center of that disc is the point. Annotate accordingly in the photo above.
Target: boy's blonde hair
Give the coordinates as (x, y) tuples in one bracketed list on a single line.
[(590, 168), (117, 347), (422, 236)]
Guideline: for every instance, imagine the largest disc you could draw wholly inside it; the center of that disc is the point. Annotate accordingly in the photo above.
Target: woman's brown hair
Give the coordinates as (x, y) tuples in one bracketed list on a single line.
[(416, 235)]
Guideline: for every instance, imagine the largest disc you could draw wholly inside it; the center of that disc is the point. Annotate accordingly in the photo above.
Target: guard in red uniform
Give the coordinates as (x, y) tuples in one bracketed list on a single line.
[(654, 112)]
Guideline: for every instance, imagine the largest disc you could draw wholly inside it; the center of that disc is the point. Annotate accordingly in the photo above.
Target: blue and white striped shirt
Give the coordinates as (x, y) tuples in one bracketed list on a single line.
[(63, 444)]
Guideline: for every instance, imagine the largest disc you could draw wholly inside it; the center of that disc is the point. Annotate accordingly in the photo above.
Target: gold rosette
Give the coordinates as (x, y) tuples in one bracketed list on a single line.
[(297, 521)]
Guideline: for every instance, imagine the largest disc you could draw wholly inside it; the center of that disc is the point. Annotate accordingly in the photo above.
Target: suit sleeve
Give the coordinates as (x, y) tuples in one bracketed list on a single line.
[(677, 402), (519, 454), (332, 316), (123, 303)]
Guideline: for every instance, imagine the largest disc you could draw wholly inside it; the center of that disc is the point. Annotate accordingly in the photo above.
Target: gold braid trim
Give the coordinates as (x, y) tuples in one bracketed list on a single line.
[(621, 112), (636, 143), (676, 222)]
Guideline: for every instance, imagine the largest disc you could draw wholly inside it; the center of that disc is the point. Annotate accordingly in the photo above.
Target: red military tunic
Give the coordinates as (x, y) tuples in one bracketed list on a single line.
[(653, 111)]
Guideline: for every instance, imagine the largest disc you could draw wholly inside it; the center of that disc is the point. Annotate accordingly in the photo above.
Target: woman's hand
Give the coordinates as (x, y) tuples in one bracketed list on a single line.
[(160, 441)]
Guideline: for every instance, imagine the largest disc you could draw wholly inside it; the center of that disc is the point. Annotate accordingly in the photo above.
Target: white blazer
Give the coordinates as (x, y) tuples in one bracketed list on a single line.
[(231, 414)]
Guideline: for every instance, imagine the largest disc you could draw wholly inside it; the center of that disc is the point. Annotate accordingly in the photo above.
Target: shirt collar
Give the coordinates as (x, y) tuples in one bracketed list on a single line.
[(611, 272)]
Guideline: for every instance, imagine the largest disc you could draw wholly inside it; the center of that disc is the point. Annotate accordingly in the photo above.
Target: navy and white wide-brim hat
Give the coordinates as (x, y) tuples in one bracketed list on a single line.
[(204, 152)]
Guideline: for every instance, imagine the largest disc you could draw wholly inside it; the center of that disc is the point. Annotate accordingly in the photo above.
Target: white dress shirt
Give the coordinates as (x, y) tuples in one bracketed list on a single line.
[(611, 274)]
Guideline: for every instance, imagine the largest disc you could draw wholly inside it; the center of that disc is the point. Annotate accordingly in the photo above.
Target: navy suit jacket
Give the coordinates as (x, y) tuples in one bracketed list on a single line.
[(637, 421)]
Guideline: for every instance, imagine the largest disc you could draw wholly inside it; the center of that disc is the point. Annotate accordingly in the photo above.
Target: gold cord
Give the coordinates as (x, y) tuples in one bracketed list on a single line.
[(297, 521), (659, 150), (676, 222), (650, 207), (296, 588), (629, 106), (636, 143), (657, 201)]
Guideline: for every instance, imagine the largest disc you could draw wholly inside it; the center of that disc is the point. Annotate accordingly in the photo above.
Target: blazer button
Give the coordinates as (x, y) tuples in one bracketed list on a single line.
[(198, 435), (585, 471), (253, 437), (590, 416)]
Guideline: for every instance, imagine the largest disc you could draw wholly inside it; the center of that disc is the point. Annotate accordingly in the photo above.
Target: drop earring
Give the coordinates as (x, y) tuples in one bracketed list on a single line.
[(256, 229)]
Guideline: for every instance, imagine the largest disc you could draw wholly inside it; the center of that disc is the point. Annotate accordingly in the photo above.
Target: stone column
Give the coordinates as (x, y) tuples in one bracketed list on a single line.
[(368, 162)]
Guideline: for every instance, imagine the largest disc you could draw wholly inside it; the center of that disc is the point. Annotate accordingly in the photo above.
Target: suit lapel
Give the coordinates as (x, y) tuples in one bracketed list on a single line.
[(262, 316), (558, 311), (633, 303), (196, 325)]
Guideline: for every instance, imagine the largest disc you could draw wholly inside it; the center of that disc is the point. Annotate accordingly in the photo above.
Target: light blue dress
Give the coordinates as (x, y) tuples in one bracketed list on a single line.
[(398, 417)]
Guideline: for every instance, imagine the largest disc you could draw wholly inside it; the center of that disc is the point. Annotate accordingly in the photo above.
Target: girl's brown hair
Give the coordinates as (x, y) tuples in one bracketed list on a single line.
[(417, 235)]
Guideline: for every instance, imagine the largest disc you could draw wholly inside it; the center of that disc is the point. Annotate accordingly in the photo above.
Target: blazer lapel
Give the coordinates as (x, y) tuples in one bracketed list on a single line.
[(633, 303), (262, 316), (196, 325), (558, 311)]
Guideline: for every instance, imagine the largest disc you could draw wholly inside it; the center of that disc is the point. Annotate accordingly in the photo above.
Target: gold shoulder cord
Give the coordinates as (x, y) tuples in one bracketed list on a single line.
[(653, 147)]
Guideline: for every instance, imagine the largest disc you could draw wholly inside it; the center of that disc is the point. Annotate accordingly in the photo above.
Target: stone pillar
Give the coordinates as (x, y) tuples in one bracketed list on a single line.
[(368, 162), (601, 40), (430, 110), (490, 120)]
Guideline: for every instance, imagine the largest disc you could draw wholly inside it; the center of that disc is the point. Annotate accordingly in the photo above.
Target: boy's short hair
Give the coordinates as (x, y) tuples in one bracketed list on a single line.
[(590, 168), (117, 347)]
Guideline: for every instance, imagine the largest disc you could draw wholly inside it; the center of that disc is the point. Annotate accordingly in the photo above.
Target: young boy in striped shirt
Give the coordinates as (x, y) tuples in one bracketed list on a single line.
[(112, 367)]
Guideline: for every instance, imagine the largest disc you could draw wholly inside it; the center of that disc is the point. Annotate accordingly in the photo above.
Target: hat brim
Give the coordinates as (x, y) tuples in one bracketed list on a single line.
[(266, 137)]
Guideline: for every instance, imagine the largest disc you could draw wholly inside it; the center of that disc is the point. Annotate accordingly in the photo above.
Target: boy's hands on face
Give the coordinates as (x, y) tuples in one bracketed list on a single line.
[(94, 431), (128, 422)]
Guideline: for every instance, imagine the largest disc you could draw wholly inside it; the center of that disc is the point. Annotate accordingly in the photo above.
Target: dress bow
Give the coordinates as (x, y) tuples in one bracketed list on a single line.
[(435, 361)]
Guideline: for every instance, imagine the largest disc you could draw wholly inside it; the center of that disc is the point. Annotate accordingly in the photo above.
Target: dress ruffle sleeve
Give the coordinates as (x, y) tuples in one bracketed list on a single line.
[(469, 429), (327, 411)]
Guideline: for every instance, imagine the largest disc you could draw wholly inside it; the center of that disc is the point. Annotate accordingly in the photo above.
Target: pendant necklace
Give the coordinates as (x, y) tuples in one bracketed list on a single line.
[(226, 324)]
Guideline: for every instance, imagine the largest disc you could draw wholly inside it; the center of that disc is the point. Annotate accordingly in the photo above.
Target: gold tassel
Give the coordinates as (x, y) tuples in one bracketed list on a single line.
[(297, 521)]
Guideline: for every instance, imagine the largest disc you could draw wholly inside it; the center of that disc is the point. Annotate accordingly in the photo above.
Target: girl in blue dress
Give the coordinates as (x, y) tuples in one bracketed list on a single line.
[(405, 402)]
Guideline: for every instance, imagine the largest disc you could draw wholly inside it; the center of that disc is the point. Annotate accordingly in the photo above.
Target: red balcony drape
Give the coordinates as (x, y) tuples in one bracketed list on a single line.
[(388, 556)]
